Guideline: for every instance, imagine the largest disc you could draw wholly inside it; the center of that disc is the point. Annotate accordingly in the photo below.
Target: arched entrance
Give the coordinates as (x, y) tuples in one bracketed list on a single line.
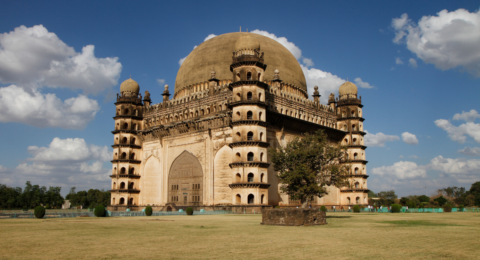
[(185, 181)]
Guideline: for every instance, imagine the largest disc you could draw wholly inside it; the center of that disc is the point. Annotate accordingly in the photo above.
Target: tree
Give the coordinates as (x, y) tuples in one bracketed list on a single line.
[(387, 198), (305, 166), (441, 200), (423, 198)]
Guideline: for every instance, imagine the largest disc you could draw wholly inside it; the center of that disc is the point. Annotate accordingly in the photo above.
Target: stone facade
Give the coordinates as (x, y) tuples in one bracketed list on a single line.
[(293, 217), (207, 147)]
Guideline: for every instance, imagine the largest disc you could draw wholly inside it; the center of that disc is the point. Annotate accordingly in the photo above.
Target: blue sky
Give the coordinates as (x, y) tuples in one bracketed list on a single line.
[(61, 64)]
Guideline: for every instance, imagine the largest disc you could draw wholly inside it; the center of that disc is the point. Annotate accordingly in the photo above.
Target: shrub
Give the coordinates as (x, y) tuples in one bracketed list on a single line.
[(447, 208), (461, 208), (99, 211), (323, 209), (189, 211), (356, 209), (39, 212), (396, 208), (148, 211)]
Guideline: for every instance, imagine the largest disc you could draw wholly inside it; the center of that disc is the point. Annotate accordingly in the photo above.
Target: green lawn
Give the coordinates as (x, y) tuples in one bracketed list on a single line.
[(347, 236)]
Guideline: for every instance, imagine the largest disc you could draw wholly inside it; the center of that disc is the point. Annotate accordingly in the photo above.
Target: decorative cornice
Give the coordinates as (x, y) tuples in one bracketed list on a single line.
[(249, 164), (363, 147), (127, 116), (355, 190), (134, 146), (249, 122), (249, 143), (130, 176), (126, 190), (248, 82), (247, 102), (126, 161), (125, 131), (364, 176), (361, 119), (250, 185)]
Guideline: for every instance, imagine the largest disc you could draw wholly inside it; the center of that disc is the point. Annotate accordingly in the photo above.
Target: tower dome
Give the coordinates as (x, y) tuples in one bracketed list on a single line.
[(347, 88), (247, 42), (129, 85)]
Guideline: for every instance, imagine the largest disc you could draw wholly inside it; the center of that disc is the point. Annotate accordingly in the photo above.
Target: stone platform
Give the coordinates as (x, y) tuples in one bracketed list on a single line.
[(293, 217)]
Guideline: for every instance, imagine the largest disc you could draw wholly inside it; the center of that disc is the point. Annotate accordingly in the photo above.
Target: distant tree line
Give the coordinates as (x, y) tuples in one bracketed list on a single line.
[(454, 196), (30, 197), (88, 199), (36, 195)]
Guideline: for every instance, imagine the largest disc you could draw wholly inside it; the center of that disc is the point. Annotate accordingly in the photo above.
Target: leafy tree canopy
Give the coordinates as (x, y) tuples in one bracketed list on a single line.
[(305, 166)]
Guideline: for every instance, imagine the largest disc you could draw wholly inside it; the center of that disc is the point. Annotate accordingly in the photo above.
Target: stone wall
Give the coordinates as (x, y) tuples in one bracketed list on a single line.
[(293, 217)]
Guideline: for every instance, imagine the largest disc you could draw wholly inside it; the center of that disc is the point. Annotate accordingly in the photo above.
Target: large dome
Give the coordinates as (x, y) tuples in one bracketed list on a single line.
[(216, 54), (129, 85)]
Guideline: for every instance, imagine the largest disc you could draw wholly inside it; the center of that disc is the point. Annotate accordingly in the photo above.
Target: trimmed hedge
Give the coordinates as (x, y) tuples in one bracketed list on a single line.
[(323, 209), (39, 212), (148, 211), (396, 208), (447, 208), (356, 209), (99, 211), (189, 211)]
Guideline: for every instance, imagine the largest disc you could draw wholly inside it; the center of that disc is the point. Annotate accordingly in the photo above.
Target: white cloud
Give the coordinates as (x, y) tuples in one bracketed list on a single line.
[(362, 84), (413, 62), (34, 57), (409, 138), (458, 133), (65, 163), (401, 156), (307, 62), (467, 116), (464, 171), (379, 139), (475, 151), (210, 36), (447, 40), (283, 41), (45, 110), (326, 81), (413, 157), (401, 170), (398, 61), (69, 150), (161, 82)]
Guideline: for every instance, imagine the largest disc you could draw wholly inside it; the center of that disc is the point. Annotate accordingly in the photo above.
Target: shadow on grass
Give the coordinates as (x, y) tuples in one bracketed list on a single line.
[(338, 216)]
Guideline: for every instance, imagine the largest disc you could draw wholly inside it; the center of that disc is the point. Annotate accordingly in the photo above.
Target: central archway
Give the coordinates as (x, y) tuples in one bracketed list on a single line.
[(185, 181)]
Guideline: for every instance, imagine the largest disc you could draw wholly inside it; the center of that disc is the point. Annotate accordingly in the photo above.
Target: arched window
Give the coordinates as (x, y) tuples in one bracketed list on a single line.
[(202, 112), (353, 113), (357, 200), (356, 185), (238, 177), (353, 127), (132, 156), (259, 96), (239, 135), (124, 140), (356, 170), (261, 177), (344, 127), (130, 202), (124, 156), (135, 127), (250, 177), (238, 114), (260, 116), (122, 171), (261, 157), (259, 76), (122, 201), (250, 136), (238, 199), (249, 76), (132, 141), (250, 157), (126, 111), (122, 185), (125, 126), (249, 115), (114, 187), (131, 171), (249, 96), (130, 185), (348, 200), (261, 136), (354, 140), (251, 199), (355, 155), (262, 199), (238, 156), (113, 201)]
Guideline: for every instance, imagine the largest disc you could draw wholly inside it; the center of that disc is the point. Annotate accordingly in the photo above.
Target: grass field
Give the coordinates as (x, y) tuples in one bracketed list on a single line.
[(347, 236)]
